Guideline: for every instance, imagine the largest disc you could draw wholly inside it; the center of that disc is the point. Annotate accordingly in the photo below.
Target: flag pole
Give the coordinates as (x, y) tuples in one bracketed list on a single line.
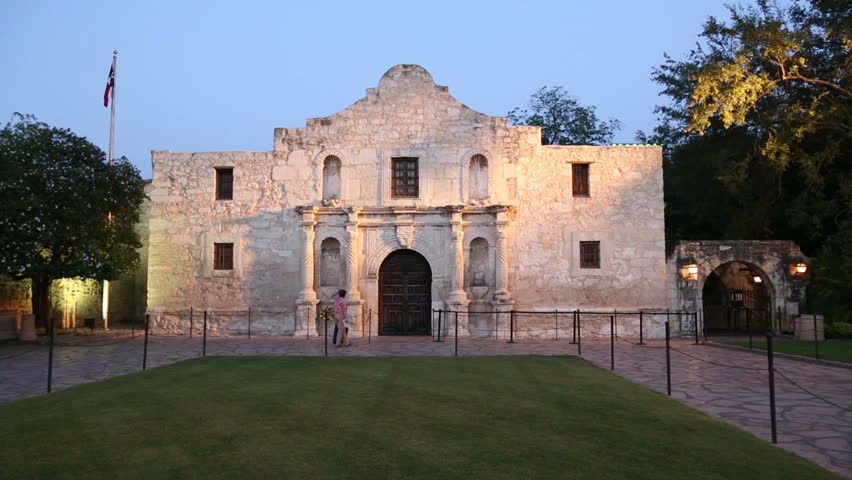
[(110, 160), (112, 110)]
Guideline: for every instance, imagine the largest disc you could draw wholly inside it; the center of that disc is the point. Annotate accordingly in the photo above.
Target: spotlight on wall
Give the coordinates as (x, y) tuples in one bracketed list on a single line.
[(801, 268)]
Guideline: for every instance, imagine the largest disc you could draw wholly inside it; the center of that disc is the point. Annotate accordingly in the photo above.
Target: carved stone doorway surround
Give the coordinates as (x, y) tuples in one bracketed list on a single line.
[(373, 233)]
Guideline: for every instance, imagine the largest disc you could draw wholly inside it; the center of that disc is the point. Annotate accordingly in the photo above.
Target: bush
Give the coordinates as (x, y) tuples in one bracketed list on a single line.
[(838, 330)]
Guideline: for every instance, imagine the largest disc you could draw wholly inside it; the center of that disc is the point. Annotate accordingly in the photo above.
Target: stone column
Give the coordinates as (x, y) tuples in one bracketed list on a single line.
[(457, 300), (457, 293), (501, 293), (306, 304), (353, 297)]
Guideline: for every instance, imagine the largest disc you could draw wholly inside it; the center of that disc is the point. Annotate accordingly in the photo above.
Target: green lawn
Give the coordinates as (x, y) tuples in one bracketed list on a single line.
[(837, 349), (375, 418)]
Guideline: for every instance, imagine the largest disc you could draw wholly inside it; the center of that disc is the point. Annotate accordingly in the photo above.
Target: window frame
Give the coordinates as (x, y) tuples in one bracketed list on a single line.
[(396, 163), (590, 259), (223, 257), (580, 180), (219, 186)]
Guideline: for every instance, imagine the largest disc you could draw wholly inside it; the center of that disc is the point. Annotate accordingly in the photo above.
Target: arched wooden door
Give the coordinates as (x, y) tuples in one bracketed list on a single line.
[(405, 294)]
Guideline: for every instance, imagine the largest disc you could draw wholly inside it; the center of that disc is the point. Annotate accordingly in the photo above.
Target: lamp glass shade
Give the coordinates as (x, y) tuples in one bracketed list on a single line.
[(692, 269), (801, 267), (757, 279)]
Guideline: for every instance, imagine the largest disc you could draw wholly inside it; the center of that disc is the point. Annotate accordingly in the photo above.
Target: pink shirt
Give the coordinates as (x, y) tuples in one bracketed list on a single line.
[(340, 308)]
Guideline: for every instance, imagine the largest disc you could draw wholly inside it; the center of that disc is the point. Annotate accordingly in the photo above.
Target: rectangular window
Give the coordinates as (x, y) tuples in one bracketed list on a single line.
[(580, 179), (223, 256), (590, 254), (224, 183), (406, 179)]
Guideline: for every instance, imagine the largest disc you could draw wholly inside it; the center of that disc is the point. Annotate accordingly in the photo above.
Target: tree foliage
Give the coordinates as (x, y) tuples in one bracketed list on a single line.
[(563, 120), (760, 123), (64, 211)]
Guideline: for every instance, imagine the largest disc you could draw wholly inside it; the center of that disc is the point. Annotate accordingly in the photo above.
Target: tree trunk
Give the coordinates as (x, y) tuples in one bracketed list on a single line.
[(41, 300)]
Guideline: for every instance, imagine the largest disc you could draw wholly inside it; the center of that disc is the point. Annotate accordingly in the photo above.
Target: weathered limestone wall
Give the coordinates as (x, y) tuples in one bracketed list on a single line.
[(186, 221), (128, 296), (71, 299), (624, 211), (407, 116), (773, 260), (15, 295)]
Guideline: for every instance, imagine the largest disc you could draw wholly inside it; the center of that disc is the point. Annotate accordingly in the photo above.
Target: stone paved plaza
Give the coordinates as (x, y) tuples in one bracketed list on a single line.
[(734, 387)]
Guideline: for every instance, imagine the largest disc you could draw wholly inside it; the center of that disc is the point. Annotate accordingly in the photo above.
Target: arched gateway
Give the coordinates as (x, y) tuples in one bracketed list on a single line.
[(405, 294)]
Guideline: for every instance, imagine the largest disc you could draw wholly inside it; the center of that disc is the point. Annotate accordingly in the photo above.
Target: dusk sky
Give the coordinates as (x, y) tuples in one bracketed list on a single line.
[(212, 76)]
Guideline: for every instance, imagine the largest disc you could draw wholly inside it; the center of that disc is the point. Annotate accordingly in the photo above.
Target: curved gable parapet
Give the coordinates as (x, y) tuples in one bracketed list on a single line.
[(407, 104), (408, 78)]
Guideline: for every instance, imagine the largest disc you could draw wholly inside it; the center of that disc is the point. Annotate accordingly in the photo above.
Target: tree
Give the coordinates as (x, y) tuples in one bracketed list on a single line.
[(563, 120), (762, 111), (64, 211)]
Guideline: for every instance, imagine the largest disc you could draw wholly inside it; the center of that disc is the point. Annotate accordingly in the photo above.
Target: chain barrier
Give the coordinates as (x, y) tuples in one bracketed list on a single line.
[(92, 345), (678, 351), (7, 357), (718, 364), (812, 393)]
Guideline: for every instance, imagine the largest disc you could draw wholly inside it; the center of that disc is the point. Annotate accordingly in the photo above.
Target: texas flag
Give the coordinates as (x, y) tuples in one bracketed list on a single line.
[(109, 85)]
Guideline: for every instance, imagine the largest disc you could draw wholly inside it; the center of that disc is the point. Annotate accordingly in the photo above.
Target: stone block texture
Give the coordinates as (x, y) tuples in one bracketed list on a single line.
[(408, 167)]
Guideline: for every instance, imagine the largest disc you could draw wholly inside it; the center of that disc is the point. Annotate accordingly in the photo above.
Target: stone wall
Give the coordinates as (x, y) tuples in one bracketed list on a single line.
[(624, 211), (71, 299), (128, 295), (774, 261), (519, 203)]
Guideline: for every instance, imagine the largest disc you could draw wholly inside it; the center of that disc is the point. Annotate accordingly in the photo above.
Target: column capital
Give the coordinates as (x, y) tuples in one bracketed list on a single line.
[(308, 213), (352, 214)]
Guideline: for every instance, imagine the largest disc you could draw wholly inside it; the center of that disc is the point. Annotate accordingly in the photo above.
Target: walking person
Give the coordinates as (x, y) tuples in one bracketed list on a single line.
[(340, 317)]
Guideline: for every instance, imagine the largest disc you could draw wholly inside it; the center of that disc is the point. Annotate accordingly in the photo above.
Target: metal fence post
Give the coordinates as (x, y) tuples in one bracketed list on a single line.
[(145, 347), (556, 314), (615, 318), (370, 326), (249, 320), (440, 314), (816, 339), (769, 355), (668, 362), (579, 336), (190, 322), (204, 342), (612, 342), (748, 327), (457, 334), (325, 339), (496, 326), (695, 316), (50, 356), (574, 327), (667, 315), (511, 326), (641, 330)]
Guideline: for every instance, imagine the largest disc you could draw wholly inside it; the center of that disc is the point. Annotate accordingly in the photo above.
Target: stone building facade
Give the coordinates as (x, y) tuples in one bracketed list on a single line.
[(739, 284), (411, 202)]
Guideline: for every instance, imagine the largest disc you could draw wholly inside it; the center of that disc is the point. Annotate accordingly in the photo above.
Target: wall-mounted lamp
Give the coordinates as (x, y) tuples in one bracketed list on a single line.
[(801, 268), (757, 279), (689, 272)]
